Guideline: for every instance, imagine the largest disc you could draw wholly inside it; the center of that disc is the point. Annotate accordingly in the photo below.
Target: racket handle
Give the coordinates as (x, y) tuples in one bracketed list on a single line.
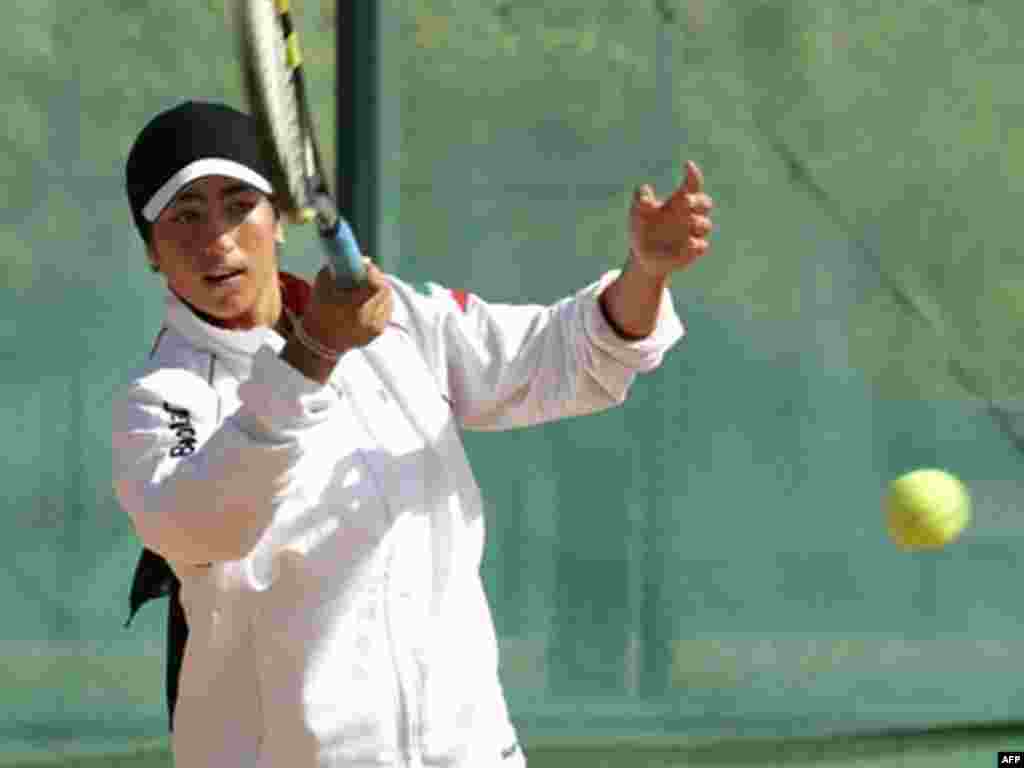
[(343, 255)]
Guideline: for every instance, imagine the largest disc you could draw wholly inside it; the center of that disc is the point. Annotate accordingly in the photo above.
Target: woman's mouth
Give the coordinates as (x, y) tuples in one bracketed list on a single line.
[(230, 278)]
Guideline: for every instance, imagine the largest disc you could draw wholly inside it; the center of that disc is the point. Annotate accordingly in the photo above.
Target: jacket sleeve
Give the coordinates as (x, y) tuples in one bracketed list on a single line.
[(201, 490), (512, 366)]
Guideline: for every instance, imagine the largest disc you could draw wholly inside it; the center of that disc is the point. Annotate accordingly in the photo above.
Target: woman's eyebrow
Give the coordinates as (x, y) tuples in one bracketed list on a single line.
[(194, 196), (236, 189), (189, 196)]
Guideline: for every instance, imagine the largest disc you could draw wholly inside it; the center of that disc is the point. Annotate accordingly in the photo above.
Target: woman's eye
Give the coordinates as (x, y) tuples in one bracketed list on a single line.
[(186, 217), (241, 208)]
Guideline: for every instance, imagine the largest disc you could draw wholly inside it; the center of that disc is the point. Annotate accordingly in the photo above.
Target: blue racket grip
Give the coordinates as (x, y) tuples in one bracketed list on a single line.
[(343, 255)]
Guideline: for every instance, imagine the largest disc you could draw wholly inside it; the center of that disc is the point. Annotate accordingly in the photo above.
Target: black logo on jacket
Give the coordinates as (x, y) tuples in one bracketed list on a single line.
[(181, 424)]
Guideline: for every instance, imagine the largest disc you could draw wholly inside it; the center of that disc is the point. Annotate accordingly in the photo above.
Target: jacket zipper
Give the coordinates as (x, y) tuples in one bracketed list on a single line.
[(406, 700)]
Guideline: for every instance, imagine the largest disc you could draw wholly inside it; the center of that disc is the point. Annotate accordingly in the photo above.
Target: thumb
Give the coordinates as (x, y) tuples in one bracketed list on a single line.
[(694, 178)]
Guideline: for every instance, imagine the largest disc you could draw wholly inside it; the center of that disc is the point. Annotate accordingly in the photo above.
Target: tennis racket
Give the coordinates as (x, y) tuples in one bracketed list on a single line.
[(275, 89)]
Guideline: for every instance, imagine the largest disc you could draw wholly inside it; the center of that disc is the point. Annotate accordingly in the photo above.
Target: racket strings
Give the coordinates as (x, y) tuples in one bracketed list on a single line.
[(273, 60)]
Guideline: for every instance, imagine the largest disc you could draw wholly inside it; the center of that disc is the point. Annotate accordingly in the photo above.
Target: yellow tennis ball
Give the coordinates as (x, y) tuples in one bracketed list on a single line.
[(926, 509)]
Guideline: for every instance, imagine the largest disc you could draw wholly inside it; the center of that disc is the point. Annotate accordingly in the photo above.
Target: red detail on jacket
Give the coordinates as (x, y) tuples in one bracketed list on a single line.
[(461, 297), (295, 292)]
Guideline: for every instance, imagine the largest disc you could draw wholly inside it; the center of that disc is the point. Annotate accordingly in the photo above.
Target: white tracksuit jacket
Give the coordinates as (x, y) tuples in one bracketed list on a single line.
[(328, 538)]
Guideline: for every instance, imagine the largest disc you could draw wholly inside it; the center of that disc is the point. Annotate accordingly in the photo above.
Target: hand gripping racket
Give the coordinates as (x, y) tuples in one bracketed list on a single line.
[(276, 93)]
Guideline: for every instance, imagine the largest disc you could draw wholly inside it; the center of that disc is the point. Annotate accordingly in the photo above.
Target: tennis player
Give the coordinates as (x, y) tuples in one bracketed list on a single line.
[(291, 452)]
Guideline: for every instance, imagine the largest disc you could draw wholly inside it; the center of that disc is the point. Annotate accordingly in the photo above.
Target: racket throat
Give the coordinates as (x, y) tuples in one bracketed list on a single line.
[(326, 213)]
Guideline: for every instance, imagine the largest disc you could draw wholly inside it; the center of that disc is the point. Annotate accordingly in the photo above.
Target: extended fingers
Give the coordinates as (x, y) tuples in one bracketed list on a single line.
[(690, 194), (695, 208), (700, 203), (700, 226)]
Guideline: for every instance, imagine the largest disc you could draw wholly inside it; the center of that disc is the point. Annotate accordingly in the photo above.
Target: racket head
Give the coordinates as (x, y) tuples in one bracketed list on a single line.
[(272, 99)]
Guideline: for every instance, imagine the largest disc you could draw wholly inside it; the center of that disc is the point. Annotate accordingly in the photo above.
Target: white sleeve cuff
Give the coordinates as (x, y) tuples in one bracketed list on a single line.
[(640, 355), (278, 399)]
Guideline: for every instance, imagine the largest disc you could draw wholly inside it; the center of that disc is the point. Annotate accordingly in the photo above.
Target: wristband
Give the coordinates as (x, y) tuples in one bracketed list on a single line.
[(320, 350), (616, 328)]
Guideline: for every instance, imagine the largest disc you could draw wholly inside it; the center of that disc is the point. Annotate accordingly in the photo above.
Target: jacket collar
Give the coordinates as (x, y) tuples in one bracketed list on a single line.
[(233, 345)]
